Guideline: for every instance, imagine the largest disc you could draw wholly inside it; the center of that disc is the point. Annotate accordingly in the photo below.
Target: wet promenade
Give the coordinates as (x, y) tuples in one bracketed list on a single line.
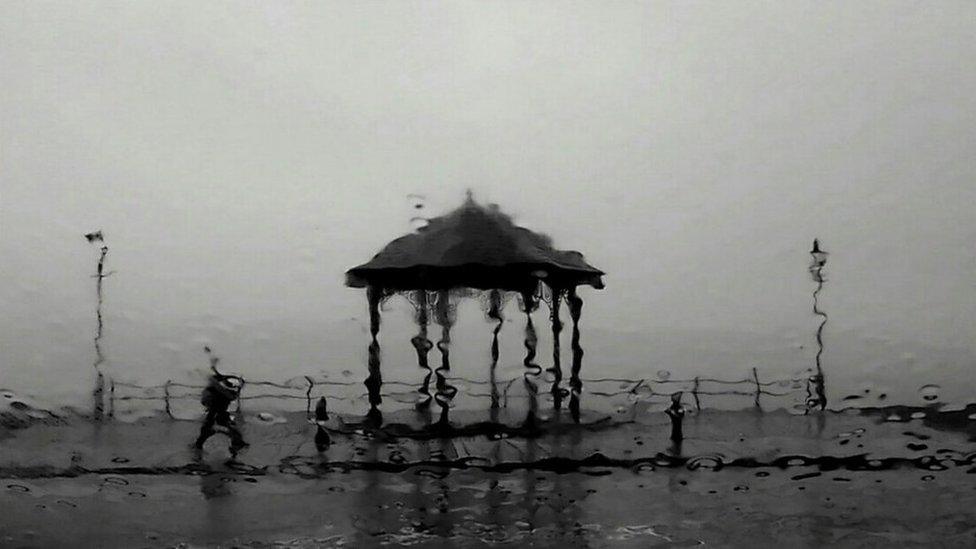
[(842, 479)]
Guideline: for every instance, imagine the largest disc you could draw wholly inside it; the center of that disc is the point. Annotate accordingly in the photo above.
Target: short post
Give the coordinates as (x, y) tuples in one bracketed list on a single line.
[(308, 397), (676, 413), (169, 411), (322, 438), (694, 393), (111, 398), (821, 392), (633, 392), (755, 377)]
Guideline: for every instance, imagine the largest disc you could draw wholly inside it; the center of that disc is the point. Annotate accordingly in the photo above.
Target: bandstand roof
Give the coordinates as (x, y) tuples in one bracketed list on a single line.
[(473, 247)]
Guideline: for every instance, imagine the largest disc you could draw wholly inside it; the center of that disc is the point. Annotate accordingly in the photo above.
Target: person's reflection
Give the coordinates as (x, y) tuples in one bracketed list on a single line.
[(217, 490), (213, 485)]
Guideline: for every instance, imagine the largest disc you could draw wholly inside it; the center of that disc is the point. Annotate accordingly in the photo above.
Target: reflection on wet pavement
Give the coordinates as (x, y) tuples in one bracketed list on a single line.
[(426, 508), (867, 479)]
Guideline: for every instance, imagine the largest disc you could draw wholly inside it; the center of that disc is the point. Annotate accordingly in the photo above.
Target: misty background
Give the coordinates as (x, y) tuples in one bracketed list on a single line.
[(239, 157)]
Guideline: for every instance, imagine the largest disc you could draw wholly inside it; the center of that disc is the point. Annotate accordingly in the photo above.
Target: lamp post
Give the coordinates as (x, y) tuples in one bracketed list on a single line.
[(817, 265), (99, 276)]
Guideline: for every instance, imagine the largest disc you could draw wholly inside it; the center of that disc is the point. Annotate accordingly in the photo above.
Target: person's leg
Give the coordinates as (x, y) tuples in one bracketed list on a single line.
[(206, 430), (236, 439)]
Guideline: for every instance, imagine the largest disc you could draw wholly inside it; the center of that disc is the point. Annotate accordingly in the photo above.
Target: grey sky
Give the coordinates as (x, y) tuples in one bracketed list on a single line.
[(241, 156)]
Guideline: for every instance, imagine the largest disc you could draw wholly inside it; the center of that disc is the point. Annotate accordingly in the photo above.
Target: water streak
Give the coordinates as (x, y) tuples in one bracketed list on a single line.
[(495, 304), (374, 380), (575, 304), (533, 370), (444, 313), (556, 370), (422, 344)]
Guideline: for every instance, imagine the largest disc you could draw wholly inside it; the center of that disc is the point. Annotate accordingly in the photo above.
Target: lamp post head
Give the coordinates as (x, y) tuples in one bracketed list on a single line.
[(819, 256)]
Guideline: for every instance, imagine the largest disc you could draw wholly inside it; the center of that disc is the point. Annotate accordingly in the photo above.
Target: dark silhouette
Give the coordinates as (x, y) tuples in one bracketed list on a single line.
[(575, 304), (677, 414), (556, 370), (532, 370), (495, 305), (374, 381), (217, 398), (444, 315), (322, 438), (471, 250), (423, 345), (221, 391)]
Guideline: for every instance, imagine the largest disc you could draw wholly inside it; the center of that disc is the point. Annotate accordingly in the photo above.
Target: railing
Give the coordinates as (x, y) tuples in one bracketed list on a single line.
[(306, 389)]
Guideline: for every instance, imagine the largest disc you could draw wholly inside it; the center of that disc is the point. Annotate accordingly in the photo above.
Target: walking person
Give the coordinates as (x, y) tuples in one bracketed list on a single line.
[(221, 391)]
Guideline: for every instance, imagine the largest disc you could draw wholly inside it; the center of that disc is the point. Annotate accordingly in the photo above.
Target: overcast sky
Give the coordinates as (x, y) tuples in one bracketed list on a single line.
[(239, 157)]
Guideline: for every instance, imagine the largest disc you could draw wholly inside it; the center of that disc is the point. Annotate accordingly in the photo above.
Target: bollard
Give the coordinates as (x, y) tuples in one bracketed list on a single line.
[(169, 411), (676, 413), (755, 376), (111, 398), (308, 397), (322, 438)]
